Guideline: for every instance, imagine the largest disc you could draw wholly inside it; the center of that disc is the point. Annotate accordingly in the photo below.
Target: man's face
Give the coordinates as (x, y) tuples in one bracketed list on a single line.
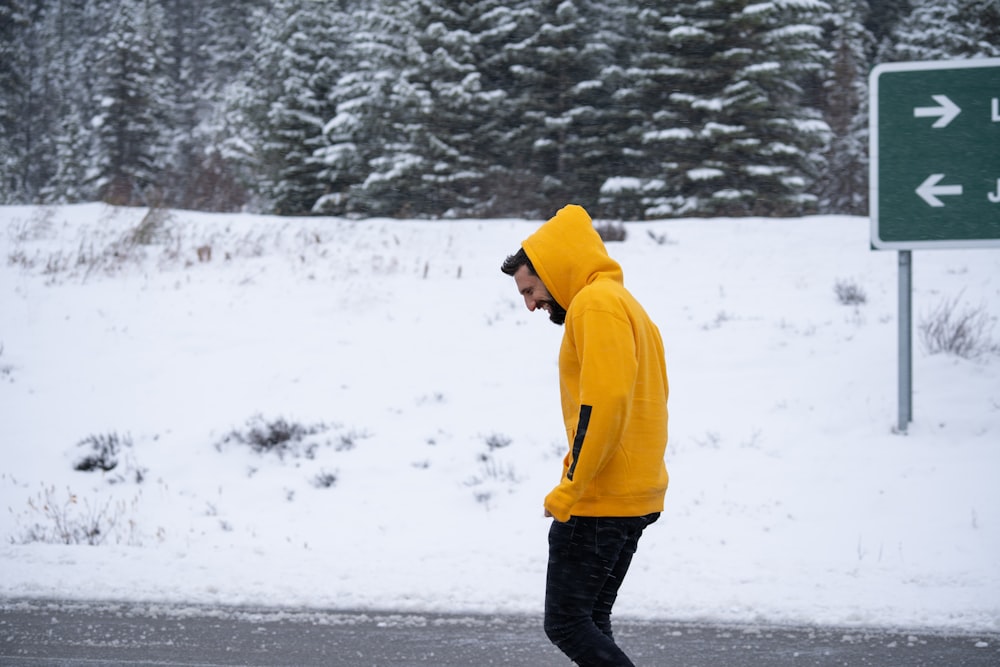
[(536, 295)]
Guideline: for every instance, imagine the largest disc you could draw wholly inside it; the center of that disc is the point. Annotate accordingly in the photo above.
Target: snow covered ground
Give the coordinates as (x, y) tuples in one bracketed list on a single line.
[(424, 397)]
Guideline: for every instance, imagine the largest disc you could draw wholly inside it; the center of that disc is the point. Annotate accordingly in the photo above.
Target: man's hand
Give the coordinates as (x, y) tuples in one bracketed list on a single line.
[(548, 514)]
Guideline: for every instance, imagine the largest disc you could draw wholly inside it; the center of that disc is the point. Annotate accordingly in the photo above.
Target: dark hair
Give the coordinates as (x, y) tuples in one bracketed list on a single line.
[(516, 261)]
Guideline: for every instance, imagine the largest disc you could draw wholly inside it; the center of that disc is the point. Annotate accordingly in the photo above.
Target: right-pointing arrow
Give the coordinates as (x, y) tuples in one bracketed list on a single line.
[(929, 190), (947, 110)]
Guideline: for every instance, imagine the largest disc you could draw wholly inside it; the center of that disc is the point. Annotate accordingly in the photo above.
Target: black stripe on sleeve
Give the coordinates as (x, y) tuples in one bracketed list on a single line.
[(581, 433)]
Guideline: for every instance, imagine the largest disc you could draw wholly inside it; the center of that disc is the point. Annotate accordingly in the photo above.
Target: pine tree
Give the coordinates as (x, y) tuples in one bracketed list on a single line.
[(298, 57), (502, 28), (883, 17), (454, 153), (73, 29), (844, 186), (212, 43), (619, 118), (747, 145), (189, 28), (237, 130), (370, 151), (441, 107), (666, 71), (15, 82), (130, 98), (557, 98), (31, 99), (947, 30), (639, 81), (70, 181)]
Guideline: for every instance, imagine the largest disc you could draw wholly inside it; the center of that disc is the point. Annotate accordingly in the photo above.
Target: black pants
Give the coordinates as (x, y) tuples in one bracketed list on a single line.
[(588, 559)]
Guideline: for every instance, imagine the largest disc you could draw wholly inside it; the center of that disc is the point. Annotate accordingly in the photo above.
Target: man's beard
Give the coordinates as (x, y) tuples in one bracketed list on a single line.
[(557, 314)]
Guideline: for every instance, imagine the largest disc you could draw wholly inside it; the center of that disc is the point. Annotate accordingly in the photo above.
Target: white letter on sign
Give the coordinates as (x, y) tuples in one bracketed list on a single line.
[(995, 196), (996, 110)]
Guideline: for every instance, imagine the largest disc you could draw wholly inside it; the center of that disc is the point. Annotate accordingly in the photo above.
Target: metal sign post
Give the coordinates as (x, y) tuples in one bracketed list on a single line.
[(905, 340), (934, 175)]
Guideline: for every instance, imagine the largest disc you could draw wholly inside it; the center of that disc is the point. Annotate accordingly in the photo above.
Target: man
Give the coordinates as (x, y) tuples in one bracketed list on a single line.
[(613, 385)]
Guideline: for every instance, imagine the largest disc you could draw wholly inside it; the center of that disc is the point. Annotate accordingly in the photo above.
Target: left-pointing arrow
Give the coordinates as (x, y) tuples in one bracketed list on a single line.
[(929, 190), (946, 111)]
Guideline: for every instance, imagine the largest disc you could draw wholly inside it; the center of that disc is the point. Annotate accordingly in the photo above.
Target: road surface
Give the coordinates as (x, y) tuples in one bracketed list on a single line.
[(57, 634)]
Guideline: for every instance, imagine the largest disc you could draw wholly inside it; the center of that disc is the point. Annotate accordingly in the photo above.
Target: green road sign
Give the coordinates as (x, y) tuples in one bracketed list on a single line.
[(935, 154)]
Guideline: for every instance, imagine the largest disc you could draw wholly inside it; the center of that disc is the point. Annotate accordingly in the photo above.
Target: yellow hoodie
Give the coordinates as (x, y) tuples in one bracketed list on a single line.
[(612, 376)]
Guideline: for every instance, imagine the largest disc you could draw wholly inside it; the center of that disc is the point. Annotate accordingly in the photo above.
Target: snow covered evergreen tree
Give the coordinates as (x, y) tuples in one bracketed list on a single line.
[(215, 46), (290, 82), (883, 16), (35, 91), (181, 57), (556, 97), (662, 73), (441, 107), (130, 99), (622, 116), (453, 143), (14, 81), (843, 188), (748, 144), (501, 28), (370, 152), (70, 32), (64, 42), (73, 178), (946, 30)]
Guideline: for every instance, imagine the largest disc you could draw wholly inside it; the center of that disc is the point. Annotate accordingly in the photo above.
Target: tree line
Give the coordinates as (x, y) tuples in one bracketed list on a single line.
[(435, 108)]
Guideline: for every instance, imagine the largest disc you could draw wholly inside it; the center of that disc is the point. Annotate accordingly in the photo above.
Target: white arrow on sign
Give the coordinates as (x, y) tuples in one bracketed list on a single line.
[(947, 110), (929, 190)]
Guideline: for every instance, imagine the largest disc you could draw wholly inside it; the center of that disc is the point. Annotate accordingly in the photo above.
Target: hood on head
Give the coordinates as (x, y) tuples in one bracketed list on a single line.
[(568, 254)]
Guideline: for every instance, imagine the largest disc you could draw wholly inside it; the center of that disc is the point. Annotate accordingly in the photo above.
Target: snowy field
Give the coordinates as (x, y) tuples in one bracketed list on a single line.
[(406, 408)]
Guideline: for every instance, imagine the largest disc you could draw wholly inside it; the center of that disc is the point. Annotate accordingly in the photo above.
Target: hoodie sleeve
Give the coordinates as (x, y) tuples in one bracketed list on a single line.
[(602, 341)]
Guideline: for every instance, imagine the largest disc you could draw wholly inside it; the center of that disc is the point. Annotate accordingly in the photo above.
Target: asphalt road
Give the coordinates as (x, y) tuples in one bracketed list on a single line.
[(73, 633)]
